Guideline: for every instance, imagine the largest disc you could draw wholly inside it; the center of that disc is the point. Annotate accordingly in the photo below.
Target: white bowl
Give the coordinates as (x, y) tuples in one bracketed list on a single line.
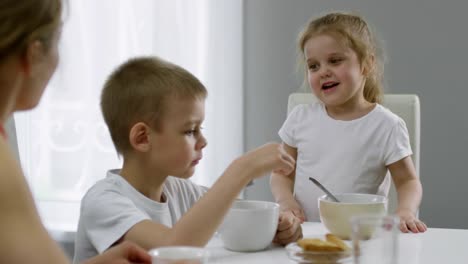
[(336, 216), (249, 225)]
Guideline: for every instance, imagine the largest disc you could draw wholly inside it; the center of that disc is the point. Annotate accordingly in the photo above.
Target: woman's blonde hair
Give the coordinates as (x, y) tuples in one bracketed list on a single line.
[(353, 32), (139, 91), (24, 21)]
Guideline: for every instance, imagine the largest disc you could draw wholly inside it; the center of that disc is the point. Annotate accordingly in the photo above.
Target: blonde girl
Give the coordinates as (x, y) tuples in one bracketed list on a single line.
[(348, 141)]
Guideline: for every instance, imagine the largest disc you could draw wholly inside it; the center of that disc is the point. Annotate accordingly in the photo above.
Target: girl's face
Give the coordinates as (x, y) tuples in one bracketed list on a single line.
[(334, 72)]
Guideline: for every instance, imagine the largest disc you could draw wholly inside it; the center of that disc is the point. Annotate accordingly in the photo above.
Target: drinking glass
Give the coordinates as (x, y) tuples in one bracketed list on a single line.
[(375, 239)]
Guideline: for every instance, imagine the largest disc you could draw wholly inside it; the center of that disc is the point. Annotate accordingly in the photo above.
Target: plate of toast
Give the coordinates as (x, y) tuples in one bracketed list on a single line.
[(328, 250)]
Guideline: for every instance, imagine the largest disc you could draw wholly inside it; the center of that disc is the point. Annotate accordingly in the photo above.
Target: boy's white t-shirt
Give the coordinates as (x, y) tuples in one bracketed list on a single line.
[(112, 206), (345, 156)]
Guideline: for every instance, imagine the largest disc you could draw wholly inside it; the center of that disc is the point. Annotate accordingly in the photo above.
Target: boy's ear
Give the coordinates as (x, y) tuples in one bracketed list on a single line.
[(138, 137)]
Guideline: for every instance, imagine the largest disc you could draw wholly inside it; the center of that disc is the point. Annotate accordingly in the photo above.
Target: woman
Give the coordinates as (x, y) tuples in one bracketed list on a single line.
[(29, 34)]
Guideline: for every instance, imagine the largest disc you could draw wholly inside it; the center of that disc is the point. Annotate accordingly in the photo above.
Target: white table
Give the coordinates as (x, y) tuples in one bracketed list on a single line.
[(435, 246)]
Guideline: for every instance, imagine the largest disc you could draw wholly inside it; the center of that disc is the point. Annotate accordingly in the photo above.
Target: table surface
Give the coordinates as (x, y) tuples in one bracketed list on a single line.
[(435, 246)]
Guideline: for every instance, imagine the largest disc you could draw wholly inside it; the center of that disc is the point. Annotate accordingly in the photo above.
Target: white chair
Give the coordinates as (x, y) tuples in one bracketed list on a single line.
[(405, 106)]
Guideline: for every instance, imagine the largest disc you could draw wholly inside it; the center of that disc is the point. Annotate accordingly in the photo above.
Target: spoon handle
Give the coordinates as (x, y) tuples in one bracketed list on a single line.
[(324, 189)]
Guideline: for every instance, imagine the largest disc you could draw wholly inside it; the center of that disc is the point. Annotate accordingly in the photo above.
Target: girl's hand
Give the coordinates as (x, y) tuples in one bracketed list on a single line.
[(289, 228), (293, 206), (409, 222)]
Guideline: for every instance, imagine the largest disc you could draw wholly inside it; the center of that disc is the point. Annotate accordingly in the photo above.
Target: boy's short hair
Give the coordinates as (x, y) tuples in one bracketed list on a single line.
[(137, 91)]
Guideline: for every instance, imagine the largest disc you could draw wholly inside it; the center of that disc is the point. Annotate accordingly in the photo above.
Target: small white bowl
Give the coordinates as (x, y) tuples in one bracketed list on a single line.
[(249, 225), (336, 216)]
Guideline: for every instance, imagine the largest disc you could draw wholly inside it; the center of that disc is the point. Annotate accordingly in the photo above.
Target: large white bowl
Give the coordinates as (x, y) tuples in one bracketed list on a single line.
[(249, 225), (336, 216)]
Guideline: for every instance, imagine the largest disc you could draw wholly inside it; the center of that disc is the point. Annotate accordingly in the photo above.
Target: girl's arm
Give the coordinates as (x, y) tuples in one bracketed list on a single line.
[(282, 188), (409, 189), (291, 213)]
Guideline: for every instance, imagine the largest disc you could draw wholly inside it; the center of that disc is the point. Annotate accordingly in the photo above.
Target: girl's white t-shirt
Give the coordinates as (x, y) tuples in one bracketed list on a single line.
[(345, 156)]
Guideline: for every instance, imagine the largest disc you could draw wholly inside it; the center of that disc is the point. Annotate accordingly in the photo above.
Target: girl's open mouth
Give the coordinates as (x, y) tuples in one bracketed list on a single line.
[(329, 85)]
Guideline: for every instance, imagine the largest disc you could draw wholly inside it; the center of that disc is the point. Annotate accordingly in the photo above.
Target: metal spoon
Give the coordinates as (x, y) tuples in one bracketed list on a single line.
[(324, 189)]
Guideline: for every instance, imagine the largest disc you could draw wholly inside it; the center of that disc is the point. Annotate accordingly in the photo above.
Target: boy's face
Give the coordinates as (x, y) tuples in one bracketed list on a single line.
[(177, 145)]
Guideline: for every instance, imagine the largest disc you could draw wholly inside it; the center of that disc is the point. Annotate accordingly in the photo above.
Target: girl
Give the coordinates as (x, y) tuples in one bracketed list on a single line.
[(29, 33), (348, 141)]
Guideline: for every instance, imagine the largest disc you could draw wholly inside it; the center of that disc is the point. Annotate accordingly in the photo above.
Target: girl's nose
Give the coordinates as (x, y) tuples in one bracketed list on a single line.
[(325, 72)]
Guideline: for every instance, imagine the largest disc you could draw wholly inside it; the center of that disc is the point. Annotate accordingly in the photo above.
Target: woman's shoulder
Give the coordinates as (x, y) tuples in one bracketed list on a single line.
[(9, 167), (15, 197)]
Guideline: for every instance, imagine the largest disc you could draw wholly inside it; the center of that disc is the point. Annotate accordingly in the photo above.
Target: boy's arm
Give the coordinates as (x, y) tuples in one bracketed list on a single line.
[(409, 189), (282, 188), (23, 238), (198, 225)]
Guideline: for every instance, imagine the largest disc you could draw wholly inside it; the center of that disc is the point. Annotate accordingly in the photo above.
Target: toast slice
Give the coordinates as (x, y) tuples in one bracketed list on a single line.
[(315, 244), (337, 241)]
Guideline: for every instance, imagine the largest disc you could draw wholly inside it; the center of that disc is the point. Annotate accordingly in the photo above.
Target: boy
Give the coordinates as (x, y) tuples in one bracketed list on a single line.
[(154, 111)]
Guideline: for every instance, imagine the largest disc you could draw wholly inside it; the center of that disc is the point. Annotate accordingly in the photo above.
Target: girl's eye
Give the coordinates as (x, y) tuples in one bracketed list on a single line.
[(313, 67), (336, 60)]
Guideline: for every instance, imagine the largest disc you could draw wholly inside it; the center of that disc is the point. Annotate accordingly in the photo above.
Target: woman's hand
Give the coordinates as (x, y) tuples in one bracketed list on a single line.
[(124, 253)]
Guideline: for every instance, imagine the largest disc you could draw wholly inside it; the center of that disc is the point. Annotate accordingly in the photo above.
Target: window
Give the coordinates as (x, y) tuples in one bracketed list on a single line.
[(64, 144)]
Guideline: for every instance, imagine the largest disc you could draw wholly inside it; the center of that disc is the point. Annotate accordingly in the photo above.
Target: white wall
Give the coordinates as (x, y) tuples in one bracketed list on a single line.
[(426, 43)]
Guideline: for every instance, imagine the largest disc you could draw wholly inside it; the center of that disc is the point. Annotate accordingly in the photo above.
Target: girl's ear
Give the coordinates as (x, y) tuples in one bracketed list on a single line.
[(139, 137), (368, 65), (33, 56)]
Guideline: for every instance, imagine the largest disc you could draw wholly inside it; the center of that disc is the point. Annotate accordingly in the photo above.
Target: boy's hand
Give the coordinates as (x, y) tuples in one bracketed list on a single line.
[(409, 223), (123, 253), (289, 228), (270, 157)]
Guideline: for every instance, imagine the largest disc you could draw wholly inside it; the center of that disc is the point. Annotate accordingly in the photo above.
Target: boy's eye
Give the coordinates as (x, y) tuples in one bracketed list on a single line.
[(194, 131), (191, 132)]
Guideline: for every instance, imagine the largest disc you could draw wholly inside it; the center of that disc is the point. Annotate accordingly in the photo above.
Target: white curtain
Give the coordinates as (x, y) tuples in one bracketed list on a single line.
[(64, 144)]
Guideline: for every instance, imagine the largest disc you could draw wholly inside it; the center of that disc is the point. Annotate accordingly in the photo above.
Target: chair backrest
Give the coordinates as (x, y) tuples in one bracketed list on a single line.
[(405, 106)]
